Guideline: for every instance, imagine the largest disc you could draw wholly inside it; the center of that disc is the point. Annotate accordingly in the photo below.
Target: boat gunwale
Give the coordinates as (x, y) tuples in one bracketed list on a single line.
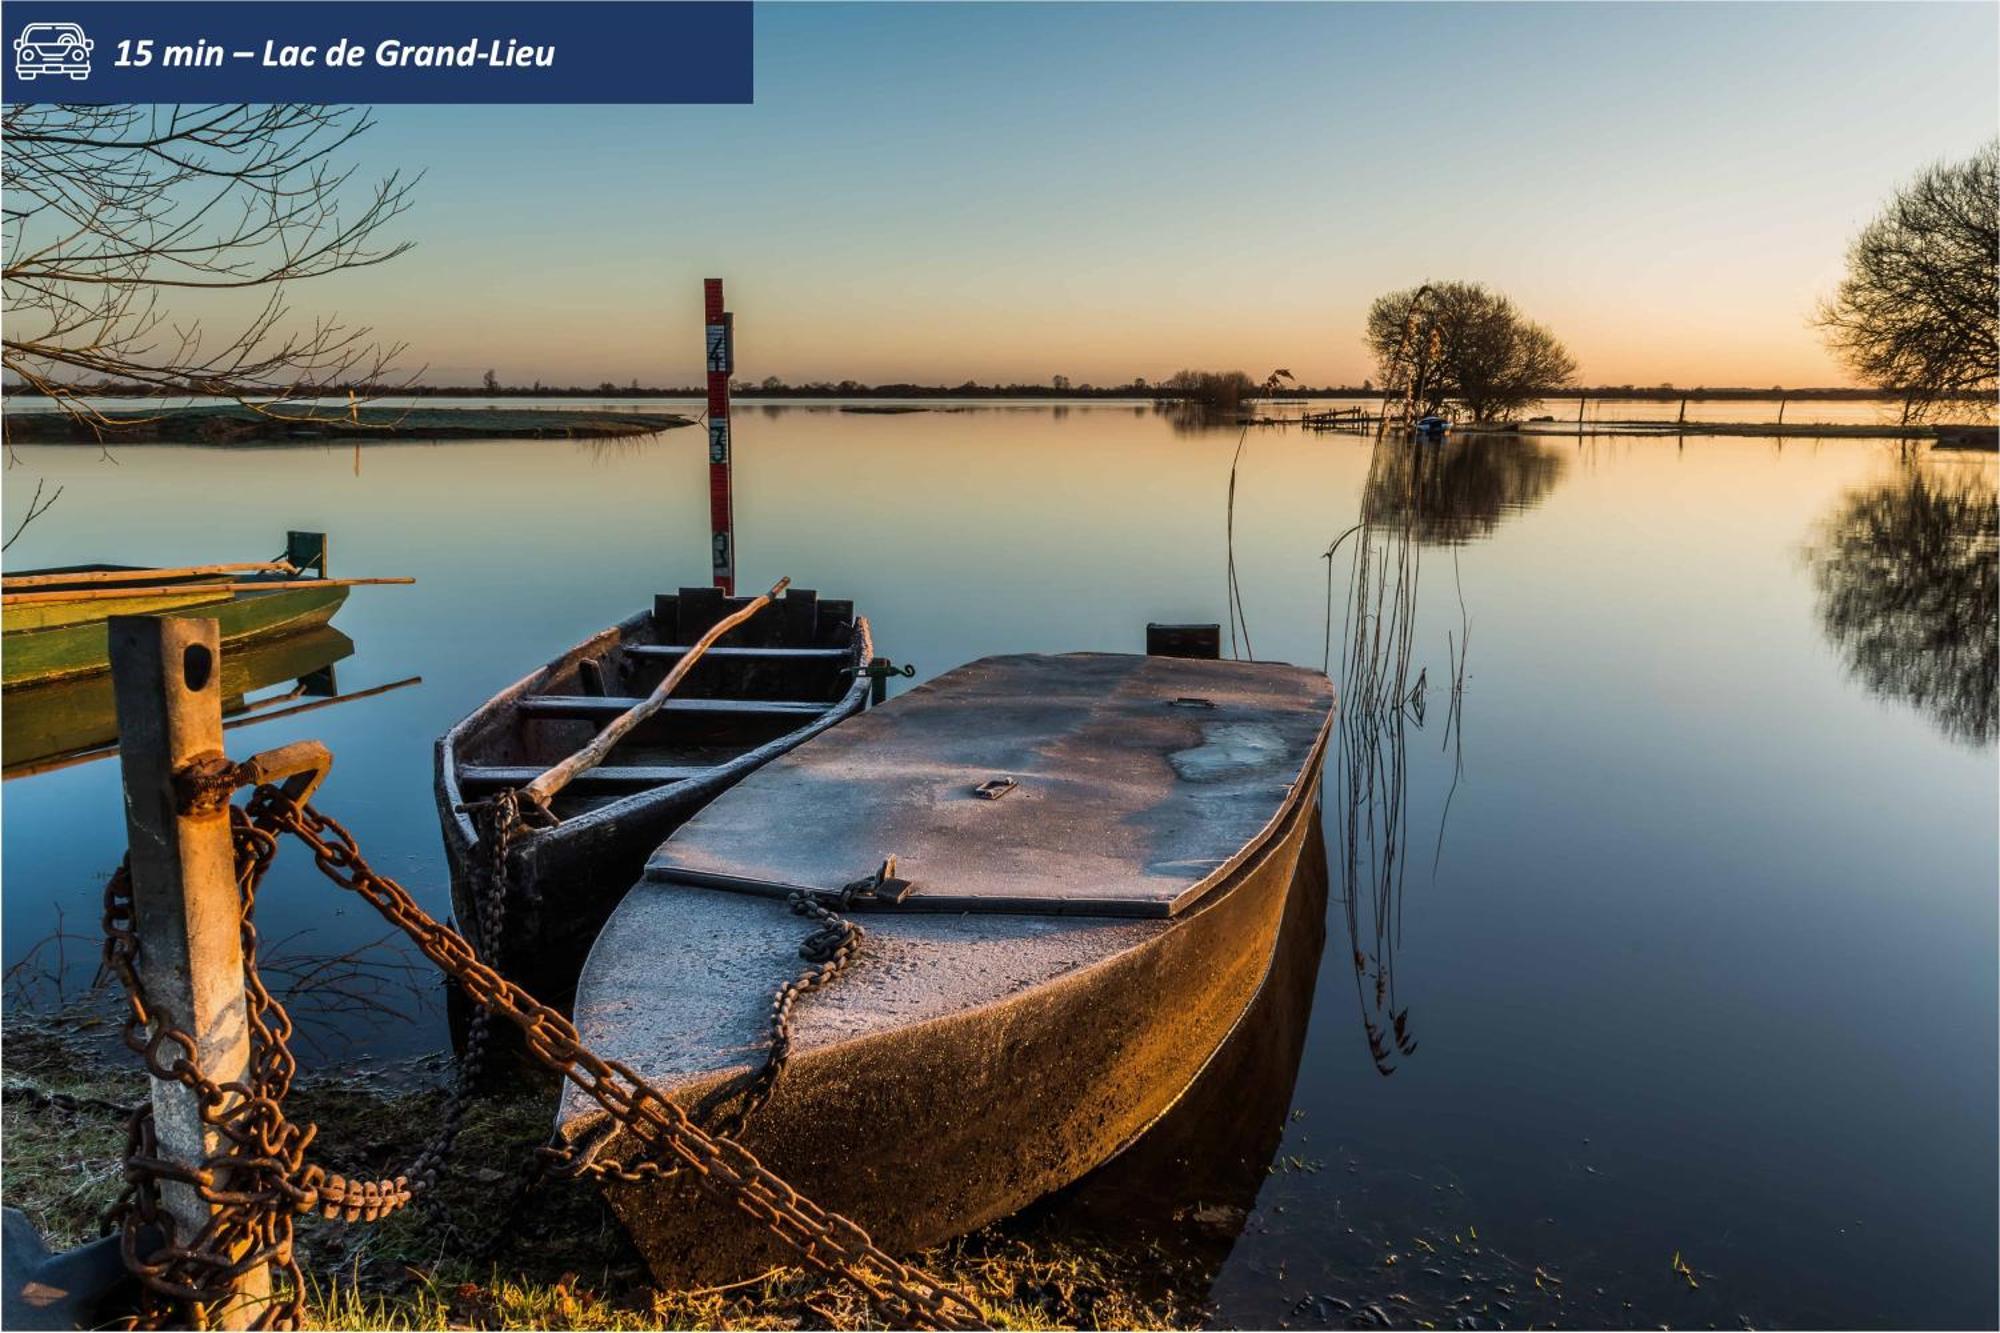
[(861, 646), (311, 614)]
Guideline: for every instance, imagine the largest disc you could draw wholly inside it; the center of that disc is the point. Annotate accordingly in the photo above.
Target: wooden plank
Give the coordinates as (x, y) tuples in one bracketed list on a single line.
[(170, 590), (306, 551), (643, 650), (798, 618), (583, 706), (54, 615), (1199, 642), (612, 775), (21, 582), (698, 609)]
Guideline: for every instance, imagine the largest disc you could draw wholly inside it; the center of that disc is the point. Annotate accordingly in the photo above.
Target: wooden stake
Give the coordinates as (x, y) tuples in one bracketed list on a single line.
[(167, 676), (544, 788)]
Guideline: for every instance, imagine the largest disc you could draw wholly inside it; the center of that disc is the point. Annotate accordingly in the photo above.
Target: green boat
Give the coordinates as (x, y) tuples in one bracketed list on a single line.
[(54, 618)]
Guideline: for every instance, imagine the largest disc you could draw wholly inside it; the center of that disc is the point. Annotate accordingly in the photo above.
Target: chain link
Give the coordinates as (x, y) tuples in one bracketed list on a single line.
[(829, 949), (258, 1178), (261, 1179)]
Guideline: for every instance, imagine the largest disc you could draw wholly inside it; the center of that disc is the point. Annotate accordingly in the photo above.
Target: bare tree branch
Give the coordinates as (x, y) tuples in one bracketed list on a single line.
[(1918, 313), (113, 211), (36, 508)]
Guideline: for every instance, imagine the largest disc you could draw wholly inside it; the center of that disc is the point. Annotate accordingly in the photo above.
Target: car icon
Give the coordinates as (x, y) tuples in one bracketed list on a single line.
[(52, 48)]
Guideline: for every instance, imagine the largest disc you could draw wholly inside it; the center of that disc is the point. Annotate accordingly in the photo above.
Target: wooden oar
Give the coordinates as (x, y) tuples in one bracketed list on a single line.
[(130, 575), (544, 788), (168, 589)]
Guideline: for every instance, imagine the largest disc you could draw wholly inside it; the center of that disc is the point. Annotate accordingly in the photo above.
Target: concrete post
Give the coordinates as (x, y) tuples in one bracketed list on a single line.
[(167, 676)]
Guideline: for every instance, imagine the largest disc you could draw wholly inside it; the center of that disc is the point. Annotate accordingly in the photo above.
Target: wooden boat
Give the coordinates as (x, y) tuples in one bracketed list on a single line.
[(54, 618), (785, 675), (1098, 851), (54, 725)]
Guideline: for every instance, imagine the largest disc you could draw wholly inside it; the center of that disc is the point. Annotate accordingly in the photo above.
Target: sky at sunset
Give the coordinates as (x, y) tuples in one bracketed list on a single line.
[(1006, 193)]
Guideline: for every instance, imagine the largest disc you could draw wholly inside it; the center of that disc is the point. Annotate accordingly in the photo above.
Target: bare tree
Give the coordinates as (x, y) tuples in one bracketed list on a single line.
[(1458, 343), (125, 225), (1918, 313)]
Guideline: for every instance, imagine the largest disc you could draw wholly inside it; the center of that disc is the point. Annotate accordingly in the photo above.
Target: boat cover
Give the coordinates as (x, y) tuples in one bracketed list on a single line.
[(1137, 783)]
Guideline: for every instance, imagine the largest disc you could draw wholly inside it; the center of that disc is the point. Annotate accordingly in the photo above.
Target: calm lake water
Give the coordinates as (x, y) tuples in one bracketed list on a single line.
[(1662, 906)]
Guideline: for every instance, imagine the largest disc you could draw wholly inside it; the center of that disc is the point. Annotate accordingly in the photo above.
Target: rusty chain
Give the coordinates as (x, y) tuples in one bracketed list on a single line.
[(829, 950), (257, 1179), (260, 1179)]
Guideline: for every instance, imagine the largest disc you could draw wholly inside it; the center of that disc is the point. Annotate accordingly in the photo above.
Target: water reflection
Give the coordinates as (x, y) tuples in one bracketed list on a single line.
[(1192, 418), (1907, 584), (1416, 494), (1459, 489), (1185, 1190), (65, 722)]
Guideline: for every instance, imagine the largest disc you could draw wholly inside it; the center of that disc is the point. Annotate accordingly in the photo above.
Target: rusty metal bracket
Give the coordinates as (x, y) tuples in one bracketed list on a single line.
[(884, 886), (204, 784), (994, 788)]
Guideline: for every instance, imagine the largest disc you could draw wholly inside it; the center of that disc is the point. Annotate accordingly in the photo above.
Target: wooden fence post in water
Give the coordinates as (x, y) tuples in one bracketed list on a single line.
[(167, 675)]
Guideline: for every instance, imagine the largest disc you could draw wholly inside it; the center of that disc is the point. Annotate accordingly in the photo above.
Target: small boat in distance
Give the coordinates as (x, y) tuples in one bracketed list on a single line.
[(1080, 865), (54, 618), (783, 676)]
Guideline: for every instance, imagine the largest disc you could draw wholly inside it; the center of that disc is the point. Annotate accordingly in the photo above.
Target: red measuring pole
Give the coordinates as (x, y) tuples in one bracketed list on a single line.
[(721, 362)]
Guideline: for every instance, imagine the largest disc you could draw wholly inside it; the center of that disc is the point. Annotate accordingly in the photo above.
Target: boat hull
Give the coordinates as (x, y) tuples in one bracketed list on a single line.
[(37, 654), (926, 1131), (563, 882)]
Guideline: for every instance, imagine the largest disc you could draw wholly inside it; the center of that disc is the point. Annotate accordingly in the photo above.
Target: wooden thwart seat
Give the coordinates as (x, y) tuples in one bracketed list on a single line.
[(675, 650), (615, 775), (588, 706)]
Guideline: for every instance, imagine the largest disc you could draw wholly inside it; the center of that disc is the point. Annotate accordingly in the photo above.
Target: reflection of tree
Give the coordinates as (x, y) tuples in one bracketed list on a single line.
[(1459, 490), (1907, 585), (1192, 418)]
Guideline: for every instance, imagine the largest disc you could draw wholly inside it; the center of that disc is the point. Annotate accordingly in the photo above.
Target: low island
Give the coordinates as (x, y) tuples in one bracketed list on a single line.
[(298, 423)]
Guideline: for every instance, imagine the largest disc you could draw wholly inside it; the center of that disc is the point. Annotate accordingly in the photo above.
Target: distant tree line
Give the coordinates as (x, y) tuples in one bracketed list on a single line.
[(1166, 390)]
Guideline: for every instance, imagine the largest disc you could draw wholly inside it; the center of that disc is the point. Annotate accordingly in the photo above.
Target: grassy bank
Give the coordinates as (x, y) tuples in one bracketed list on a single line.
[(560, 1261)]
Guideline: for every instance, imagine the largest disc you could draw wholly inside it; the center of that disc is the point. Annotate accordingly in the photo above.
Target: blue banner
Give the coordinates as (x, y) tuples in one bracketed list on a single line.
[(378, 51)]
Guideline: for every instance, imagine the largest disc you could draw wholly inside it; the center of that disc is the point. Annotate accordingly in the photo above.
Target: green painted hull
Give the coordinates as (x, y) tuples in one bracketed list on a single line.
[(35, 656)]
